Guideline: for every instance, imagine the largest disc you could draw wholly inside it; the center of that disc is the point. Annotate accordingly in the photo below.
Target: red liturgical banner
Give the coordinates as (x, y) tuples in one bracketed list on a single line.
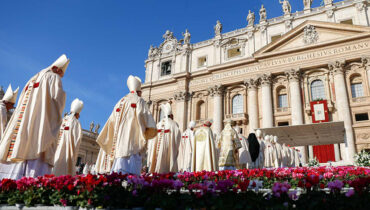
[(320, 113)]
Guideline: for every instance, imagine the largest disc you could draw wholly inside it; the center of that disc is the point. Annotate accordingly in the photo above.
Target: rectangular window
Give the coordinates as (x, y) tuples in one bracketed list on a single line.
[(234, 52), (283, 100), (349, 22), (362, 117), (202, 61), (166, 68), (274, 38), (283, 124), (357, 90)]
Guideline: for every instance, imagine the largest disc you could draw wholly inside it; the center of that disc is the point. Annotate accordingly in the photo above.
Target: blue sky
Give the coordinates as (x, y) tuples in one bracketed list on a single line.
[(106, 40)]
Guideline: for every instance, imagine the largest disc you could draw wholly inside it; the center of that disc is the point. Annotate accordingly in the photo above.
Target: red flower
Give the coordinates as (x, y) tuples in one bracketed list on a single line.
[(70, 187), (322, 186)]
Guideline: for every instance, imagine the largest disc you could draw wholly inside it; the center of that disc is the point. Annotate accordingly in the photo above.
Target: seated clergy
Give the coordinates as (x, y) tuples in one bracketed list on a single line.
[(204, 152), (70, 136), (186, 148), (32, 132), (124, 135), (166, 145), (229, 144)]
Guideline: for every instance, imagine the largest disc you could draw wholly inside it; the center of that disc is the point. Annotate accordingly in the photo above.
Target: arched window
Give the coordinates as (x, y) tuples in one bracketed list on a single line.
[(317, 90), (237, 103), (282, 98), (356, 87), (201, 111)]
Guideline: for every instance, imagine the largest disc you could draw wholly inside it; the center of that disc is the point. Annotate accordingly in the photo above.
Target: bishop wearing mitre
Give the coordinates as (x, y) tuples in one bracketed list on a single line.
[(6, 104), (186, 148), (69, 140), (228, 144), (166, 145), (204, 151), (32, 132), (125, 134)]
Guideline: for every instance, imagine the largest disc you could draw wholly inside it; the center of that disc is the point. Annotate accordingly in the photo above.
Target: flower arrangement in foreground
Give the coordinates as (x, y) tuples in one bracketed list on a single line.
[(303, 188)]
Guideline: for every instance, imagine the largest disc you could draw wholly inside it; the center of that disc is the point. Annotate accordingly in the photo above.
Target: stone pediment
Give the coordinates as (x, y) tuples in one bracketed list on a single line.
[(312, 34)]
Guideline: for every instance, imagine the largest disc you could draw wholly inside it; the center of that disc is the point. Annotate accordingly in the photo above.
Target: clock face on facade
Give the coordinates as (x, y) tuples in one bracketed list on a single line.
[(167, 47)]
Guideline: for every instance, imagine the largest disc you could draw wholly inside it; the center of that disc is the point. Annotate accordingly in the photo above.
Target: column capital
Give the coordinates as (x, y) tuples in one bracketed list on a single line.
[(251, 83), (265, 79), (337, 67), (293, 75), (216, 90), (181, 96), (365, 62)]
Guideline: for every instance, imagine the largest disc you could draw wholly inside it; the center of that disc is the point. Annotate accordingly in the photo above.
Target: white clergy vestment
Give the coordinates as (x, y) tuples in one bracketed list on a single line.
[(70, 136), (32, 131), (186, 150), (126, 132), (204, 153), (166, 146), (244, 155)]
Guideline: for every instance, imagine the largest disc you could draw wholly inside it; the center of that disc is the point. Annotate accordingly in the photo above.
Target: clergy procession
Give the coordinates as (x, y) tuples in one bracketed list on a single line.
[(37, 140)]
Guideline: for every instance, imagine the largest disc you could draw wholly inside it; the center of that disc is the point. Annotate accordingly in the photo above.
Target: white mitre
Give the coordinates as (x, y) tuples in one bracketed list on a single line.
[(134, 83), (167, 110), (76, 106), (275, 139), (10, 95), (62, 62), (192, 124)]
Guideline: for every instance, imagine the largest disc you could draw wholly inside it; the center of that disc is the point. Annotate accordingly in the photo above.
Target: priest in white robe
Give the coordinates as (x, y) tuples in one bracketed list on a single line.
[(103, 165), (228, 144), (204, 152), (70, 136), (6, 104), (186, 148), (127, 130), (166, 145), (279, 153), (32, 132), (261, 156), (245, 160), (269, 153)]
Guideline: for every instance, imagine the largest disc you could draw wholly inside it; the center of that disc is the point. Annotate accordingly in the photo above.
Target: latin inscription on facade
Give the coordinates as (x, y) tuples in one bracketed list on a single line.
[(283, 61)]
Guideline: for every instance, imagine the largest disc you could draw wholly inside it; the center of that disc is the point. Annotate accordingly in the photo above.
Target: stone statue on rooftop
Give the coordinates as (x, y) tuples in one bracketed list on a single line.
[(218, 28), (250, 18), (186, 36), (91, 126), (97, 127), (287, 8), (307, 4), (263, 15)]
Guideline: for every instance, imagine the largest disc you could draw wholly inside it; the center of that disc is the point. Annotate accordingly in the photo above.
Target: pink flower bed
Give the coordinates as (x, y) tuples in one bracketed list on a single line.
[(102, 190)]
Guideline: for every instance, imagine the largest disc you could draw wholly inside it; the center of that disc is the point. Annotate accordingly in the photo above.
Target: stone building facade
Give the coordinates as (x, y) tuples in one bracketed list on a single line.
[(267, 73)]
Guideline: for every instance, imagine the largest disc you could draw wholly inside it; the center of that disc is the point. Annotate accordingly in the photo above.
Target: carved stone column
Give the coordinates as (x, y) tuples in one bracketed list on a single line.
[(217, 92), (296, 105), (366, 63), (267, 114), (342, 105), (181, 109), (252, 101)]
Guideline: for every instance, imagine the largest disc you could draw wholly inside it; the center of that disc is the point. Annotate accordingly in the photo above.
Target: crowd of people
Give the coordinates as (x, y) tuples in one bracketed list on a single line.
[(38, 140)]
